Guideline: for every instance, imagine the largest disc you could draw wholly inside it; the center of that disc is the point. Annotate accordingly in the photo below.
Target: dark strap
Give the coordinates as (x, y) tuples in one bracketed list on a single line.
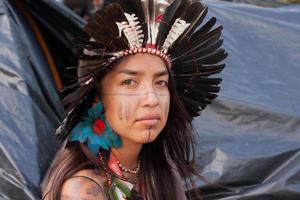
[(80, 176)]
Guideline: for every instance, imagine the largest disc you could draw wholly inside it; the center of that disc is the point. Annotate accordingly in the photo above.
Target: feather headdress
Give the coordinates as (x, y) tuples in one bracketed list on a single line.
[(173, 31)]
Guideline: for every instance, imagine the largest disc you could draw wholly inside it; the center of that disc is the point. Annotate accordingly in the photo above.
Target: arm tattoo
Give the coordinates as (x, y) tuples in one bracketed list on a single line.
[(91, 193), (84, 188), (94, 191), (77, 185)]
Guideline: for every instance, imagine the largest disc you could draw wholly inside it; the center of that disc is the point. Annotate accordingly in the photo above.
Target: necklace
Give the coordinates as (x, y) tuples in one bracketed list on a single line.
[(137, 169), (117, 188)]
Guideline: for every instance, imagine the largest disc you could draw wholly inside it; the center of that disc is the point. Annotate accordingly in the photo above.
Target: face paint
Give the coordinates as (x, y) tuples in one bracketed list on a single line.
[(135, 94), (134, 89), (148, 140), (127, 110), (120, 111), (166, 110)]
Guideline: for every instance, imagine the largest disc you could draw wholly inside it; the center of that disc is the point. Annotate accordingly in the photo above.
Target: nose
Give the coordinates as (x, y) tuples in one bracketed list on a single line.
[(151, 99)]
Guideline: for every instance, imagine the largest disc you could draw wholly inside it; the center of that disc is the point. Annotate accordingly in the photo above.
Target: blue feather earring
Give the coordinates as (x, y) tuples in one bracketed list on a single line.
[(95, 131)]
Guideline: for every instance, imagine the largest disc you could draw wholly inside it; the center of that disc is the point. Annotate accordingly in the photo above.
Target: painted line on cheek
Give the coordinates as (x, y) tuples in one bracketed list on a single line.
[(127, 110), (124, 110), (167, 108), (120, 111)]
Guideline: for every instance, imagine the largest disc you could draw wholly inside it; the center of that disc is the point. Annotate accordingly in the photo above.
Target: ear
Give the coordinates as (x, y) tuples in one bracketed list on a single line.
[(96, 100)]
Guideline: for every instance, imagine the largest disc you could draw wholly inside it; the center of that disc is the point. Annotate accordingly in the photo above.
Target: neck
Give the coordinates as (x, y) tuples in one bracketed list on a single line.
[(128, 153)]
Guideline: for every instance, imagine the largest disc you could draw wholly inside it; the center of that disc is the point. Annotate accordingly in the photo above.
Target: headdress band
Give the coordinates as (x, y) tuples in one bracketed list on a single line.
[(133, 51)]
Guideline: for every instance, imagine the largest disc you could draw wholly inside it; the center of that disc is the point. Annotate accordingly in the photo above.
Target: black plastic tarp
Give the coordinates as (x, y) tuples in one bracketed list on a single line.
[(248, 139), (30, 108)]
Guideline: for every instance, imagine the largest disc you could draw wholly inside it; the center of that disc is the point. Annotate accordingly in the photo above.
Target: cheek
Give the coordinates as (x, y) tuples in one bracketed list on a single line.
[(165, 106), (124, 109), (119, 110)]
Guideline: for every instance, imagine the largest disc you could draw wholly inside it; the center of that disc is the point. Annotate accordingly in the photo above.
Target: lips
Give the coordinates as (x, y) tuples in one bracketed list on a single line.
[(149, 120), (149, 117)]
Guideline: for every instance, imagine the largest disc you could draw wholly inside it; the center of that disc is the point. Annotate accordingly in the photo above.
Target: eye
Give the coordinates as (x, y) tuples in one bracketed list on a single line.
[(162, 83), (129, 82)]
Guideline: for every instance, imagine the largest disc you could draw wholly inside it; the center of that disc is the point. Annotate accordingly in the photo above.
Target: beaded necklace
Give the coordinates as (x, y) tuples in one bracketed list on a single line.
[(129, 170), (116, 187)]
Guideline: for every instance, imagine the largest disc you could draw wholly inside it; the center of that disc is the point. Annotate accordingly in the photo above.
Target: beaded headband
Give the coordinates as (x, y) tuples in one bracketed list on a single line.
[(133, 51)]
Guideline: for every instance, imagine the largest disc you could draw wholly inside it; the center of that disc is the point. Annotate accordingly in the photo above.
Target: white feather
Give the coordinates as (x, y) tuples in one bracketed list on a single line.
[(119, 193), (132, 30), (177, 29)]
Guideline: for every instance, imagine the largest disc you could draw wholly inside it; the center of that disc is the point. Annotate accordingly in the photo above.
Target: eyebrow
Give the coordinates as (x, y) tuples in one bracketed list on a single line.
[(133, 72)]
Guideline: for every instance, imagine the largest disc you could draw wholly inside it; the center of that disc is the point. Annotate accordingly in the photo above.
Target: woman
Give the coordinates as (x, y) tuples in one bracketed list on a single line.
[(143, 76)]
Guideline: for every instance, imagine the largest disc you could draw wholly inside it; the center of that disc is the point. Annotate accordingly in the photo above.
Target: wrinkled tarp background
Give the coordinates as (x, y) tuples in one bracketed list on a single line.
[(30, 109), (249, 139)]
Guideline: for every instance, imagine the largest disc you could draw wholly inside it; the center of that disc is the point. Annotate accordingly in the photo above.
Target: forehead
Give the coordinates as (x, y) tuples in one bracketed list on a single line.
[(145, 63)]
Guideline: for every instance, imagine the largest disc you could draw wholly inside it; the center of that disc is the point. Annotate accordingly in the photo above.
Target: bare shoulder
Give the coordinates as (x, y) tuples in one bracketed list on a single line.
[(84, 185)]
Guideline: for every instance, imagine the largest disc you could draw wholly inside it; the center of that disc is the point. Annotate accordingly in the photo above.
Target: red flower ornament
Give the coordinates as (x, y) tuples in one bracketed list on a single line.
[(98, 127)]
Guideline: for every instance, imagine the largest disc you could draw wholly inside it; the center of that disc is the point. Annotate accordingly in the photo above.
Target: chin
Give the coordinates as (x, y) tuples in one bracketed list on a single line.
[(145, 137)]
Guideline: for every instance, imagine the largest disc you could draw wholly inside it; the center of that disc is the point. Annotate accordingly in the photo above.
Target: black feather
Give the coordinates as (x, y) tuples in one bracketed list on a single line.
[(102, 27), (195, 19), (205, 49), (171, 14), (194, 70), (80, 100), (212, 58), (191, 105), (202, 94), (199, 41)]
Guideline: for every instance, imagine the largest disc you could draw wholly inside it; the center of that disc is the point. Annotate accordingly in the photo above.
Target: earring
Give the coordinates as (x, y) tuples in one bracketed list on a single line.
[(95, 131)]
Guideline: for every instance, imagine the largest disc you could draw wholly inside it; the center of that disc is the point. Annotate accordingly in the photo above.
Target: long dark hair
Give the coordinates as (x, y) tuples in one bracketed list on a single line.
[(173, 149)]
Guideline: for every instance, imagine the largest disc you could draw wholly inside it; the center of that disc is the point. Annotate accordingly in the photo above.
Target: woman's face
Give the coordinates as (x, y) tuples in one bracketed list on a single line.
[(136, 97)]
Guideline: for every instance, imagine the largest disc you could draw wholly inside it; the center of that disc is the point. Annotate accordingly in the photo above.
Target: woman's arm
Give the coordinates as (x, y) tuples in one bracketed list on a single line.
[(81, 187)]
